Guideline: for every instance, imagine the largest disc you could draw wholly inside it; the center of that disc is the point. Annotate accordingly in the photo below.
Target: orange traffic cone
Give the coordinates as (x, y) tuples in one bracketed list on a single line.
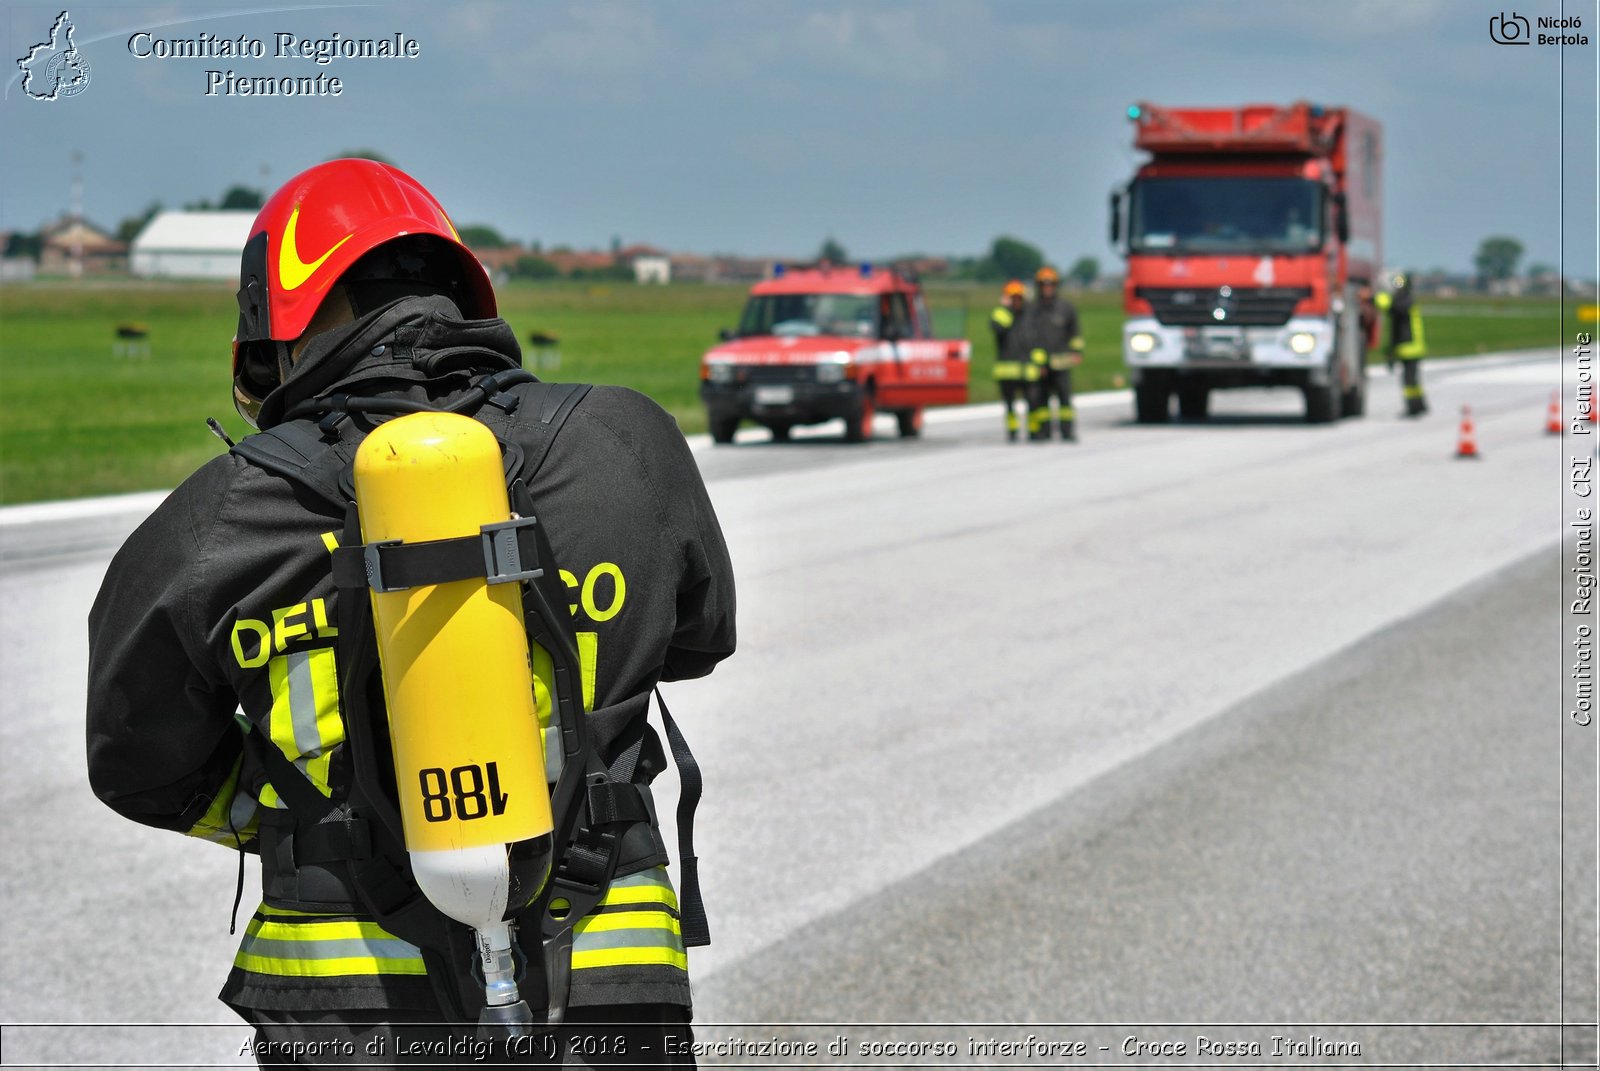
[(1552, 424), (1468, 444)]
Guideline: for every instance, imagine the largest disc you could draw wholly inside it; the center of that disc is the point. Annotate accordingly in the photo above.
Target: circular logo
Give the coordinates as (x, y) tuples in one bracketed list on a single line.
[(67, 73)]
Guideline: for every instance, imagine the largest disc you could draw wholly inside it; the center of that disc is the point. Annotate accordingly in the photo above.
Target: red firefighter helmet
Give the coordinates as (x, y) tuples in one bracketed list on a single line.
[(309, 234)]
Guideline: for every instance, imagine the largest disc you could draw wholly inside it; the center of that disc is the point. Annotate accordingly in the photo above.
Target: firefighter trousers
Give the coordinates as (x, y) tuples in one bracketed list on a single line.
[(1011, 391), (616, 1037), (1411, 386), (1053, 383)]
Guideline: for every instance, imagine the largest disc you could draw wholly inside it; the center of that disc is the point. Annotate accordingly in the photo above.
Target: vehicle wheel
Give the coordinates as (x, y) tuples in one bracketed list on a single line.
[(780, 432), (1152, 403), (722, 429), (858, 422), (1353, 402), (1322, 404), (909, 422), (1193, 402)]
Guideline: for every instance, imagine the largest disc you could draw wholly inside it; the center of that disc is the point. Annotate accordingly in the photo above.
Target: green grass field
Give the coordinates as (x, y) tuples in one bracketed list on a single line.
[(76, 420)]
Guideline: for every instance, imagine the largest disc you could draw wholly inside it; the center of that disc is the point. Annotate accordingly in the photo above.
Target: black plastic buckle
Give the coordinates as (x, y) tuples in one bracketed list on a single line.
[(502, 554), (328, 425), (372, 558), (602, 843)]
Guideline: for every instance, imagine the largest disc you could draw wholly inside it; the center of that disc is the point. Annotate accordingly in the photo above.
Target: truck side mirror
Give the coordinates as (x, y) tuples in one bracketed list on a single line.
[(725, 334), (1116, 218), (1341, 218)]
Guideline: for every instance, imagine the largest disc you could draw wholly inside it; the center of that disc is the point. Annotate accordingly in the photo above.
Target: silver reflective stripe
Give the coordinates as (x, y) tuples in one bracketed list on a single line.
[(286, 948), (654, 876), (243, 810), (303, 705), (552, 753), (587, 940)]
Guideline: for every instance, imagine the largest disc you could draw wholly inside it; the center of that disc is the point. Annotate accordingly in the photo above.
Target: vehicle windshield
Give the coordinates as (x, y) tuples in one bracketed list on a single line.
[(850, 315), (1226, 215)]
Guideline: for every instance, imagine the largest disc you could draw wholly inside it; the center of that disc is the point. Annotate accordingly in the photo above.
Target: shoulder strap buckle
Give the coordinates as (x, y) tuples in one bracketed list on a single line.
[(372, 560), (502, 552)]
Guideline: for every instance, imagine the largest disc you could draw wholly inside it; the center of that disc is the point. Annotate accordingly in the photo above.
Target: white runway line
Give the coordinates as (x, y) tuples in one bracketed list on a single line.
[(79, 509)]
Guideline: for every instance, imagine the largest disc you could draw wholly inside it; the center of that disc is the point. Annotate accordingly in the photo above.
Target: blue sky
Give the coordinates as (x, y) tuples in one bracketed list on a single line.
[(762, 126)]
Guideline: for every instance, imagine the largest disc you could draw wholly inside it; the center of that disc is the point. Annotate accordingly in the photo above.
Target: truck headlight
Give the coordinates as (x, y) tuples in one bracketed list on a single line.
[(1302, 342), (1142, 342), (719, 372), (832, 369)]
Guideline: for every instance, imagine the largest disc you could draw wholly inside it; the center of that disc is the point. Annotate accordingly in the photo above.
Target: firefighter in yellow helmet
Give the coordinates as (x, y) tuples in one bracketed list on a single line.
[(1012, 369), (1406, 342), (231, 696), (1055, 347)]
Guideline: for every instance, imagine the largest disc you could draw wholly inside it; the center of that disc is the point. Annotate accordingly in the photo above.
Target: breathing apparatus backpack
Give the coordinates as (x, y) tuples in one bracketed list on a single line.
[(349, 851)]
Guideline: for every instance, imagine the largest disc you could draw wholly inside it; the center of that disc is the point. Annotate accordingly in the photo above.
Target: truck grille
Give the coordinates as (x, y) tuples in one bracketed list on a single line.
[(1241, 306), (776, 373)]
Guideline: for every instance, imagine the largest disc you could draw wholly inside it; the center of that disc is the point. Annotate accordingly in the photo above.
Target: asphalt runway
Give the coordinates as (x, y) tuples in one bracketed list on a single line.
[(1375, 840), (980, 695)]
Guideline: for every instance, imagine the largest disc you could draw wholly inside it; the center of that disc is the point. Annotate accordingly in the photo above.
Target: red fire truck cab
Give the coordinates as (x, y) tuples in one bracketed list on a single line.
[(819, 343), (1253, 240)]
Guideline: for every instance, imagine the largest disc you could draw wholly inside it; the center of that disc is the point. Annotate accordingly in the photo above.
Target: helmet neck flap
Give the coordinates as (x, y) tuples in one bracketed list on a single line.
[(415, 346)]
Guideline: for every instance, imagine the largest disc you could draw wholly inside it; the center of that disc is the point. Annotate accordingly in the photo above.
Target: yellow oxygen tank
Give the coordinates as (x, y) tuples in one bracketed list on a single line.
[(457, 680)]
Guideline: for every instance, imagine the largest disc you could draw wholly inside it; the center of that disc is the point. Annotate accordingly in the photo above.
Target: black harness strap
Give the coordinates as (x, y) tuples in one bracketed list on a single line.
[(691, 908), (299, 452), (496, 553), (694, 926)]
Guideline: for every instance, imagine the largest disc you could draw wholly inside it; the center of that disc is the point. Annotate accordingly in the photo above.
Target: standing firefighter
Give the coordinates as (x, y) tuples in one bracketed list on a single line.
[(1055, 347), (274, 580), (1406, 342), (1011, 364)]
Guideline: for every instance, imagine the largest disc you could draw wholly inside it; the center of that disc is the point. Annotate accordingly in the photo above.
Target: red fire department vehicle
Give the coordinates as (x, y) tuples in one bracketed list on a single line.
[(1253, 243), (818, 343)]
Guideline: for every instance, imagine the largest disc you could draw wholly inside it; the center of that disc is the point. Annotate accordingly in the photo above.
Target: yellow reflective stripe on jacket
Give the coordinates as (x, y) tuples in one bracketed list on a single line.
[(232, 817), (1038, 356), (305, 723), (1410, 351), (627, 957), (1003, 316), (588, 644), (299, 945), (647, 934), (1075, 344), (1008, 370)]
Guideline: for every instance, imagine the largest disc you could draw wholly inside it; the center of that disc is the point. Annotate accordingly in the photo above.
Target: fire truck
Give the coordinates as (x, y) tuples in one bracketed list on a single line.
[(1253, 240), (815, 344)]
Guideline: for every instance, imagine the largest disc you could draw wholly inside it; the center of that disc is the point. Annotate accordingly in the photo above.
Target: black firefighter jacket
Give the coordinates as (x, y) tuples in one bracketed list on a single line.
[(223, 600), (1051, 326)]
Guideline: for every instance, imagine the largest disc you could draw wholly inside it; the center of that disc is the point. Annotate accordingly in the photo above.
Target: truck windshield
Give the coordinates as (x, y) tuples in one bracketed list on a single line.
[(851, 315), (1226, 215)]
